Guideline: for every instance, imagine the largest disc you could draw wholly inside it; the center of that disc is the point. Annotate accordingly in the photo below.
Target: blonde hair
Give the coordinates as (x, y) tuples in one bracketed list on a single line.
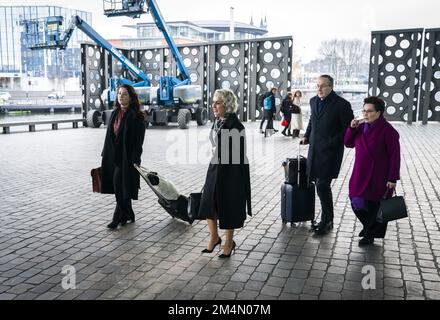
[(228, 99)]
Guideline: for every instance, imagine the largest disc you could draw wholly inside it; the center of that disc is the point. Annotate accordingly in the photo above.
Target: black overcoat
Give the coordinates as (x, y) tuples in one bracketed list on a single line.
[(227, 189), (125, 148), (325, 133), (286, 109)]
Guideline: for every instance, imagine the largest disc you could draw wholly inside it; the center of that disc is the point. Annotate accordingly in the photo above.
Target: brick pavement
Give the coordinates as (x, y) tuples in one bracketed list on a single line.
[(49, 218)]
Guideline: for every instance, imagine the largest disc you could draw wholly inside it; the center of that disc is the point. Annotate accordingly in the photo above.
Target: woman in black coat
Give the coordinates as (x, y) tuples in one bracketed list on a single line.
[(122, 148), (286, 109), (227, 190)]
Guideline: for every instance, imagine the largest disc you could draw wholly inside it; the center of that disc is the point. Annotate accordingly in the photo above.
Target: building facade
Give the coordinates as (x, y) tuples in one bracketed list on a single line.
[(25, 69), (186, 32)]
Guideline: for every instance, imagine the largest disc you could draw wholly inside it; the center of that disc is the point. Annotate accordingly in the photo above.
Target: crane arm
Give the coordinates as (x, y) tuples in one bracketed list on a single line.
[(160, 23), (91, 33)]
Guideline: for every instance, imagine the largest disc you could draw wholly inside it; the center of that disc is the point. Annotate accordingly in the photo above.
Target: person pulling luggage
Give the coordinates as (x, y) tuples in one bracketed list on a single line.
[(227, 190), (330, 117)]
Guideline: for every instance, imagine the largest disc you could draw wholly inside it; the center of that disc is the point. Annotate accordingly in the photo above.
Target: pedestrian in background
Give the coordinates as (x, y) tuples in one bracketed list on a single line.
[(297, 118), (122, 149), (286, 109), (269, 109), (330, 117), (227, 190), (376, 166)]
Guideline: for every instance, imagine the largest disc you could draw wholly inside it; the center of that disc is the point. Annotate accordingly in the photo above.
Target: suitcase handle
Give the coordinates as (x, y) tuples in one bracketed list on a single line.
[(299, 168)]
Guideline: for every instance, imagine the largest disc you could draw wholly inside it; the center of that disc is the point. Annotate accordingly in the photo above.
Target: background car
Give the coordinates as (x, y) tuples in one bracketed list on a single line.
[(5, 96)]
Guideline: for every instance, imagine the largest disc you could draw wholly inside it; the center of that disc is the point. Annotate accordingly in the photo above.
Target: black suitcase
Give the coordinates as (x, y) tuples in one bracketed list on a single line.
[(291, 170), (297, 203), (177, 206), (297, 199)]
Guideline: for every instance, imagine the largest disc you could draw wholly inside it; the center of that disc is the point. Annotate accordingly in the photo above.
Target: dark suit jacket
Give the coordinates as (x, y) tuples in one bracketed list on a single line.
[(325, 133)]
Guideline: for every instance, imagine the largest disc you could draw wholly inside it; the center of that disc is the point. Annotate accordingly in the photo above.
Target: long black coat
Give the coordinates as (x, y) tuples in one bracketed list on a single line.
[(127, 147), (325, 133), (227, 189), (286, 109)]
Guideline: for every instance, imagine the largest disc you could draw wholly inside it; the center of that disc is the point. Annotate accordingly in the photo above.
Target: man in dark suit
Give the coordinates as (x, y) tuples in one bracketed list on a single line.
[(330, 117)]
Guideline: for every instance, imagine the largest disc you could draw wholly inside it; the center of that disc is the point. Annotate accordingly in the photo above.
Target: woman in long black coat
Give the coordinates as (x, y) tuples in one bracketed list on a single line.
[(227, 190), (286, 109), (122, 148)]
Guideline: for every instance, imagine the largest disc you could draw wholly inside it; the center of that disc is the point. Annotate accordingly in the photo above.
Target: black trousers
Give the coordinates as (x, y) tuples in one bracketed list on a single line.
[(269, 117), (123, 208), (373, 229), (325, 196)]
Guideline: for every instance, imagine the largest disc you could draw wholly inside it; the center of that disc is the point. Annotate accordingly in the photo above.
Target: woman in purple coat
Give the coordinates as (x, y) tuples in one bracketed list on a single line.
[(376, 166)]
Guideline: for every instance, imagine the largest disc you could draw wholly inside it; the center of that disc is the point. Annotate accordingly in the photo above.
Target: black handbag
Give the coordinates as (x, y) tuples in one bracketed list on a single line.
[(393, 208), (194, 206)]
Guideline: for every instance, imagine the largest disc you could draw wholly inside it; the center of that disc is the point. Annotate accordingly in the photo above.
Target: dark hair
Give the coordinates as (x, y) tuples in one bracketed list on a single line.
[(329, 78), (378, 103), (134, 100)]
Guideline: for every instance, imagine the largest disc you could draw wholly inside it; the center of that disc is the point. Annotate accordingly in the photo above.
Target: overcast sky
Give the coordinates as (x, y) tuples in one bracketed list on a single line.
[(308, 21)]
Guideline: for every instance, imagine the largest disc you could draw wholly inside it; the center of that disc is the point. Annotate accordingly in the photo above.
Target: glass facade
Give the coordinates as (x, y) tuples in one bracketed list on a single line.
[(179, 30), (207, 31), (17, 60)]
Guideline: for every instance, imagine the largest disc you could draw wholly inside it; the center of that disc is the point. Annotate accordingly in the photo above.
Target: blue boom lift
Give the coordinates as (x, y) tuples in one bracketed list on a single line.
[(175, 100)]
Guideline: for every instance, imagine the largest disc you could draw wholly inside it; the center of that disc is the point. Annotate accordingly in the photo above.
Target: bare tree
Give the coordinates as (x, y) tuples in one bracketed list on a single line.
[(345, 57)]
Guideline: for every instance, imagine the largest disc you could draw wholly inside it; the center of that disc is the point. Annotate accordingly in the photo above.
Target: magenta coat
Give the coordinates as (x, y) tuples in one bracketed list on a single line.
[(377, 159)]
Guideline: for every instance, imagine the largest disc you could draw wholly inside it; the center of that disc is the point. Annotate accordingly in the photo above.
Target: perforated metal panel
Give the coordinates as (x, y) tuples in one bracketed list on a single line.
[(153, 63), (395, 70), (94, 77), (273, 68), (229, 70), (247, 67), (194, 61), (430, 85)]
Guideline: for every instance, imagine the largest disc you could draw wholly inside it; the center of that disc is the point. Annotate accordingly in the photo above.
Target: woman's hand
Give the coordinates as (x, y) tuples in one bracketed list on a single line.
[(354, 123), (391, 185)]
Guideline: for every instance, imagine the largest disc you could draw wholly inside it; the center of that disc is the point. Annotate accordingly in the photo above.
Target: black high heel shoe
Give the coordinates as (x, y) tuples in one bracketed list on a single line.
[(219, 241), (223, 255)]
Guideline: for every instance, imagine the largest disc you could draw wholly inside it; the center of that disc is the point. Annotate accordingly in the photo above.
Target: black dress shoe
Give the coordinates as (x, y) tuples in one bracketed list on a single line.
[(366, 241), (113, 225), (323, 228)]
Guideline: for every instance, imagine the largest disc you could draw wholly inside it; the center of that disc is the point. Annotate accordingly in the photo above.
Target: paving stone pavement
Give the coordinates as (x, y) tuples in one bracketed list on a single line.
[(50, 219)]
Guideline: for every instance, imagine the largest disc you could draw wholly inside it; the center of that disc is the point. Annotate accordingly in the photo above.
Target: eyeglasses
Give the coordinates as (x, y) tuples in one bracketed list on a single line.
[(321, 86), (368, 111)]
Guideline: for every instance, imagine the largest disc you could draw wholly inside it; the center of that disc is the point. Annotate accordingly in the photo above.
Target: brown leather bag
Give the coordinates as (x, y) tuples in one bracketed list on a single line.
[(96, 179)]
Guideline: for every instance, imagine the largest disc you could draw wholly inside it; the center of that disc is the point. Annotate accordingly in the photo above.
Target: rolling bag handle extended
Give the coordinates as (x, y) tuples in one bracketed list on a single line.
[(299, 167), (314, 223)]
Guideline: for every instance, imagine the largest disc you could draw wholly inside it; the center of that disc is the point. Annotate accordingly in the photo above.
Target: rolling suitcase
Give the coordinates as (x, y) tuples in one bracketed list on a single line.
[(298, 200), (169, 198)]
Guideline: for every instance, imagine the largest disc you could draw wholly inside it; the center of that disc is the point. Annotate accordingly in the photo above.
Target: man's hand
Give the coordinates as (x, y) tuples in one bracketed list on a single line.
[(304, 141)]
